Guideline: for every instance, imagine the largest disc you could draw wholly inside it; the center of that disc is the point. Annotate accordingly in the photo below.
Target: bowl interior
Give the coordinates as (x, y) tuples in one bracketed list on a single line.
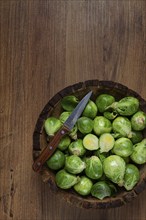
[(53, 108)]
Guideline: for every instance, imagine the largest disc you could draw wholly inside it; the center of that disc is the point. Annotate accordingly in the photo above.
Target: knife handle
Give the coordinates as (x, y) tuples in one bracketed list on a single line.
[(48, 151)]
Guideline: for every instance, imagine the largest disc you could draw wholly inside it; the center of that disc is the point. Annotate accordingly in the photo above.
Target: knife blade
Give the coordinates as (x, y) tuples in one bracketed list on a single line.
[(67, 126)]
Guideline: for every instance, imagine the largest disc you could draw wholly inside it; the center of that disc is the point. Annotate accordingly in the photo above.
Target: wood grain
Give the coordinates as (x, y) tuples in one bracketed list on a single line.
[(44, 47)]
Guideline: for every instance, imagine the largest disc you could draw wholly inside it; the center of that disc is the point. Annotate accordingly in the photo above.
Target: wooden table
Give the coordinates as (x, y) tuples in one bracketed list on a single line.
[(44, 47)]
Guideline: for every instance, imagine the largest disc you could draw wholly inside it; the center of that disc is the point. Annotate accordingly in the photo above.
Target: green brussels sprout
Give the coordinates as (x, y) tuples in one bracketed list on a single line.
[(126, 159), (138, 121), (68, 103), (64, 143), (131, 177), (103, 101), (52, 125), (110, 115), (136, 137), (90, 142), (90, 110), (56, 161), (74, 164), (122, 126), (83, 187), (106, 142), (101, 156), (123, 147), (139, 152), (101, 125), (93, 168), (114, 169), (85, 125), (101, 190), (63, 117), (65, 180), (126, 106), (77, 148), (112, 187)]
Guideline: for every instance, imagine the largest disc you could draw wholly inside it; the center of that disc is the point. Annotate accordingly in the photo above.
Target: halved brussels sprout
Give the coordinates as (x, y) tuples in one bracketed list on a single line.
[(136, 137), (90, 110), (101, 125), (64, 143), (131, 177), (138, 121), (68, 103), (56, 161), (74, 164), (65, 180), (83, 187), (123, 147), (139, 152), (122, 126), (127, 106), (52, 125), (101, 190), (103, 101), (77, 148), (106, 142), (110, 115), (90, 142), (93, 167), (85, 125), (114, 169)]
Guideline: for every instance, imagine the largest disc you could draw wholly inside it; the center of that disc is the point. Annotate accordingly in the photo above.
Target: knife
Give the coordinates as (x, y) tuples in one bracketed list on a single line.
[(67, 126)]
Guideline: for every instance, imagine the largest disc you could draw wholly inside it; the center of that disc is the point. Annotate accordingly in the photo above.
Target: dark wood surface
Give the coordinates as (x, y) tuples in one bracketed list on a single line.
[(44, 47)]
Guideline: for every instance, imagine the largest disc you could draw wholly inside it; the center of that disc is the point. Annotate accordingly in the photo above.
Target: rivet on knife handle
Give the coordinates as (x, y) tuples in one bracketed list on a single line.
[(49, 150)]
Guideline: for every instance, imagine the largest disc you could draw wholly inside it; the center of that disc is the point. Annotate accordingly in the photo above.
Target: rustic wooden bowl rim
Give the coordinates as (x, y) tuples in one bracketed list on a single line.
[(48, 176)]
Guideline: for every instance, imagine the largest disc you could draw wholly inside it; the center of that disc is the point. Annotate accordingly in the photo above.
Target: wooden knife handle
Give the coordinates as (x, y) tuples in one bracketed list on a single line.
[(48, 151)]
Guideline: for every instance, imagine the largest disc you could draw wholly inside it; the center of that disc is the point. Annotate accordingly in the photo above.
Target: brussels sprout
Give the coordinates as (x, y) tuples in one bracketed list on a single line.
[(90, 110), (56, 161), (126, 159), (103, 101), (63, 117), (122, 126), (102, 125), (101, 190), (131, 177), (68, 103), (106, 142), (112, 187), (123, 147), (74, 164), (90, 142), (64, 143), (65, 180), (101, 156), (93, 167), (77, 148), (126, 106), (85, 125), (110, 115), (139, 152), (138, 121), (114, 169), (52, 125), (83, 187), (136, 137)]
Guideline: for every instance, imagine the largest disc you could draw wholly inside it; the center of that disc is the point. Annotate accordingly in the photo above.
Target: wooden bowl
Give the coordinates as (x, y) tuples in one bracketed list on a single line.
[(53, 107)]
